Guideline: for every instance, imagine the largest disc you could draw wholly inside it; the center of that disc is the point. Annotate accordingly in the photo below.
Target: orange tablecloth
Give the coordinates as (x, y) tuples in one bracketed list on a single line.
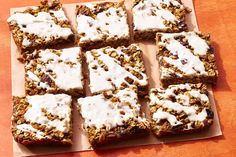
[(217, 17)]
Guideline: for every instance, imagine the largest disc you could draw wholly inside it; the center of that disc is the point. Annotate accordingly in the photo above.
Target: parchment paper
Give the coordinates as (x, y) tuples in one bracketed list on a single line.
[(80, 142)]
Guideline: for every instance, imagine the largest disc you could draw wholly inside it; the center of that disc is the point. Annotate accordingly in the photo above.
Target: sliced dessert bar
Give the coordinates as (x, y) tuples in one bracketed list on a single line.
[(102, 24), (152, 16), (42, 119), (180, 109), (111, 68), (54, 71), (112, 116), (186, 57), (40, 27)]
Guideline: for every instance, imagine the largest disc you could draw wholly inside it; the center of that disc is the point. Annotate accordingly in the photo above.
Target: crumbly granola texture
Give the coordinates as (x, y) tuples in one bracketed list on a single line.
[(186, 57), (132, 129), (180, 109), (119, 115), (40, 128), (102, 24), (152, 16), (111, 68), (117, 76), (54, 71), (41, 27)]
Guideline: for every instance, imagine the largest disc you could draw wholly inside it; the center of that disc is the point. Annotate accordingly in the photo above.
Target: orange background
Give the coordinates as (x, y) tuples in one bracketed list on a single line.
[(217, 17)]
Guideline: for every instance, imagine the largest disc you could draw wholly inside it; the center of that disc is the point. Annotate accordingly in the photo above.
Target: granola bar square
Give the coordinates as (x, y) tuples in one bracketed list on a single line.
[(178, 109), (186, 57), (113, 116), (112, 68), (152, 16), (42, 119), (40, 27), (102, 24), (54, 71)]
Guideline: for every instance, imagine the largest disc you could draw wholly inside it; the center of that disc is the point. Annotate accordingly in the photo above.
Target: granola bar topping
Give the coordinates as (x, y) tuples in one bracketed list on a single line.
[(51, 111), (183, 51), (106, 24), (110, 109), (42, 24), (62, 67), (28, 128), (179, 101), (156, 14), (111, 68)]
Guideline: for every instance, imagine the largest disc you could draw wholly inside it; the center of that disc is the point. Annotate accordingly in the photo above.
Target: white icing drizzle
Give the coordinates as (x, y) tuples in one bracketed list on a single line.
[(198, 44), (199, 117), (198, 95), (57, 105), (107, 23), (159, 115), (149, 14), (59, 14), (99, 77), (32, 76), (41, 25), (187, 62), (181, 104), (183, 99), (26, 42), (101, 112), (67, 76), (28, 128)]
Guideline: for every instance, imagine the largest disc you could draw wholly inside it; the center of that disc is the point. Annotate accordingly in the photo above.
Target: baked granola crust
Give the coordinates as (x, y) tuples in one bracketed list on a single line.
[(28, 132), (152, 16), (111, 68), (54, 71), (102, 24), (119, 115), (132, 129), (186, 57), (28, 27), (179, 109)]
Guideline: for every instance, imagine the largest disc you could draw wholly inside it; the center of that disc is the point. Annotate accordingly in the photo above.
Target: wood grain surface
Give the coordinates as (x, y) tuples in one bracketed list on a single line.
[(216, 17)]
